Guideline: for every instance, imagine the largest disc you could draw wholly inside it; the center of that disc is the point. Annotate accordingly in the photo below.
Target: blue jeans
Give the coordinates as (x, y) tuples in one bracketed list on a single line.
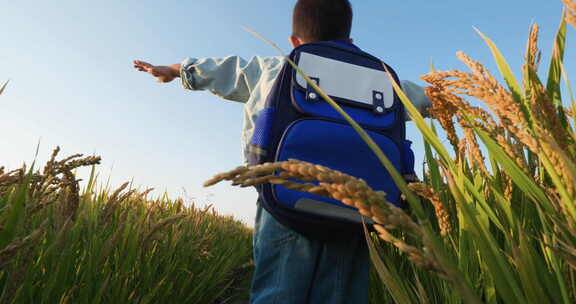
[(293, 269)]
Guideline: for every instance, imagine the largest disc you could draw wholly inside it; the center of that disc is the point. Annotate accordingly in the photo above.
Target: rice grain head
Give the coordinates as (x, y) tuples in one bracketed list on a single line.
[(570, 11), (446, 104), (442, 215), (12, 249), (499, 99), (160, 225), (349, 190), (533, 54), (564, 166)]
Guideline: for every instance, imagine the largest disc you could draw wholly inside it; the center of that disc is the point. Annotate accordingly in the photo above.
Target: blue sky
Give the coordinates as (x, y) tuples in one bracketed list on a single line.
[(73, 84)]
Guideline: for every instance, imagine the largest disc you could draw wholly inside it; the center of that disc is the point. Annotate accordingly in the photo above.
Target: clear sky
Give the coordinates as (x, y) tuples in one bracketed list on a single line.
[(73, 84)]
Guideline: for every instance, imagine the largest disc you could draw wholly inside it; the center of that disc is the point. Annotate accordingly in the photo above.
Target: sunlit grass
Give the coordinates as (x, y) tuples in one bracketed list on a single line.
[(60, 244)]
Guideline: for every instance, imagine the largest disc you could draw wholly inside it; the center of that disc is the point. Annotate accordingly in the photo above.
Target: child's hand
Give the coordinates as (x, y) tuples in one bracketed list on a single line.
[(161, 73)]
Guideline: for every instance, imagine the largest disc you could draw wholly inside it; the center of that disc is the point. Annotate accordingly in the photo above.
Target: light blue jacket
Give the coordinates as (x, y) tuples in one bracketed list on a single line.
[(249, 82)]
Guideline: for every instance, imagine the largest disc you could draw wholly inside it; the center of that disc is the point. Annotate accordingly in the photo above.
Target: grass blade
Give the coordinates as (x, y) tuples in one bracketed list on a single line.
[(391, 280), (4, 87), (15, 212), (517, 175), (500, 270), (555, 72), (503, 66)]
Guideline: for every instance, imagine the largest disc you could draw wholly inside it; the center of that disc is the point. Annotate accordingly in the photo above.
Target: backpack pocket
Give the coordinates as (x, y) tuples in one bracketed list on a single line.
[(336, 146), (362, 88)]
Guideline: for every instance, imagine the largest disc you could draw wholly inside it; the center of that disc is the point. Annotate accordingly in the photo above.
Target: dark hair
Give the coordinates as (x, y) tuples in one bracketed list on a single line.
[(322, 20)]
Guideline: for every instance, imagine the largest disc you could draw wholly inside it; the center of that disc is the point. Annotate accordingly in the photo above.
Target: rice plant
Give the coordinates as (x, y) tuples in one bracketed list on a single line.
[(494, 219), (3, 87), (61, 244)]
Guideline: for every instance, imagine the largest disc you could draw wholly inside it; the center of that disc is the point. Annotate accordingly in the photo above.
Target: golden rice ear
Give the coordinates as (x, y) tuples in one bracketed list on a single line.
[(484, 86), (570, 11), (351, 191), (533, 54), (442, 215), (447, 105)]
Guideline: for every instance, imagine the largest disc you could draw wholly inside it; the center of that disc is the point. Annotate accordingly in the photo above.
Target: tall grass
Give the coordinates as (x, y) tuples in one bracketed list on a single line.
[(495, 218), (60, 244)]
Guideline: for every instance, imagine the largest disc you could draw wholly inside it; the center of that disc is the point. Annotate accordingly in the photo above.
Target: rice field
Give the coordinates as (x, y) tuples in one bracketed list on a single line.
[(61, 244), (492, 221)]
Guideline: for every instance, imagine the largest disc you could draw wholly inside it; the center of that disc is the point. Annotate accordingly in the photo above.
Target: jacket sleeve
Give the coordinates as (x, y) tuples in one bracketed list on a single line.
[(231, 77), (416, 94)]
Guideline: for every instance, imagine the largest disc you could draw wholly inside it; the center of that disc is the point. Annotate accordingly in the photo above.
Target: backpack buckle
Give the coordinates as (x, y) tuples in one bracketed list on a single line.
[(311, 94), (378, 102)]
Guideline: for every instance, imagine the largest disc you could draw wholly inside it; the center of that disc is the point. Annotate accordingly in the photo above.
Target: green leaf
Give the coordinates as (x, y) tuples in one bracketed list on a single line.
[(568, 85), (531, 276), (503, 67), (555, 72), (516, 174), (434, 174), (511, 81), (486, 207), (390, 278), (505, 205), (565, 195), (500, 270), (15, 212)]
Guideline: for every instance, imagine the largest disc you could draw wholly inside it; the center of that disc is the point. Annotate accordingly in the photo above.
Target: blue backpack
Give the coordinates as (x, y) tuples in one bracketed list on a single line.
[(297, 123)]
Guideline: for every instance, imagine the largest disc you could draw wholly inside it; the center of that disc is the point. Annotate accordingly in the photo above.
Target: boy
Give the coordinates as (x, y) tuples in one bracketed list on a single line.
[(290, 267)]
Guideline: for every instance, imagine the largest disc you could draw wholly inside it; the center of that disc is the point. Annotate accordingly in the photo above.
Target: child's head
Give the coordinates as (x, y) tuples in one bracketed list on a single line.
[(321, 20)]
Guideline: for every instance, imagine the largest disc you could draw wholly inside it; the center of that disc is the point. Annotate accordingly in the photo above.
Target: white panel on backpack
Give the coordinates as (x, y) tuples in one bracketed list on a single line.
[(345, 80)]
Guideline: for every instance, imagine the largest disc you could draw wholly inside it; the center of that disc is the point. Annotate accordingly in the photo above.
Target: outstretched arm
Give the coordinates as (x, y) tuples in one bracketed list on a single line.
[(232, 77), (417, 96), (162, 73)]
